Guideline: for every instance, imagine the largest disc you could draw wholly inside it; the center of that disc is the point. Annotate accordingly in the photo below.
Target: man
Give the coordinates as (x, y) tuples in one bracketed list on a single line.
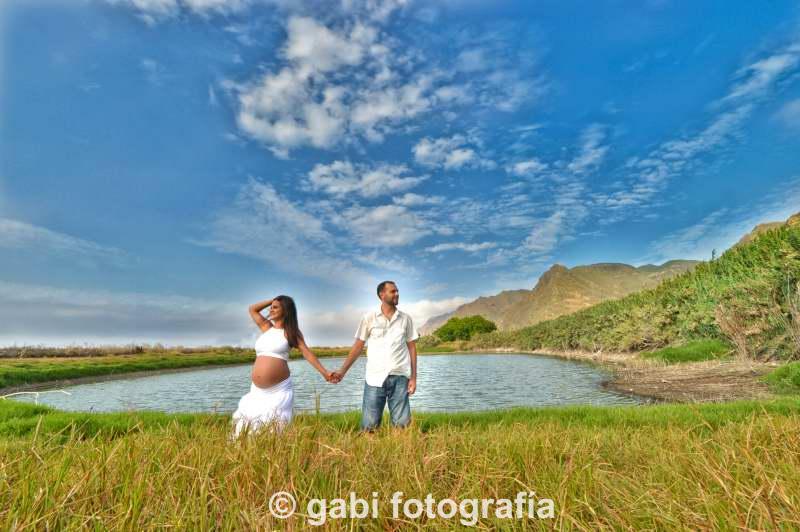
[(391, 374)]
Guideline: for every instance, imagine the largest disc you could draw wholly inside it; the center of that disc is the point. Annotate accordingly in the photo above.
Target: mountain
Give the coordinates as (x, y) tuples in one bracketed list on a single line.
[(749, 297), (757, 230), (763, 228), (561, 290)]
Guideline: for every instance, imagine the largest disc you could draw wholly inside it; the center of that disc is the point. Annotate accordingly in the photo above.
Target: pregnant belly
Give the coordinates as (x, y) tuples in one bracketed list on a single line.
[(269, 371)]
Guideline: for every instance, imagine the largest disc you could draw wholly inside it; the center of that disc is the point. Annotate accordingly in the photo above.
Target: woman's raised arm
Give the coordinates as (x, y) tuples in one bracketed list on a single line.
[(255, 313)]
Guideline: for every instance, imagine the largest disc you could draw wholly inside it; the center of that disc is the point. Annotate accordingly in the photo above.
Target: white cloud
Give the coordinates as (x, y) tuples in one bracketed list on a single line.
[(724, 227), (154, 71), (349, 81), (424, 309), (410, 199), (385, 225), (106, 317), (378, 10), (463, 246), (376, 110), (592, 151), (264, 225), (650, 174), (315, 47), (15, 234), (529, 167), (759, 76), (336, 327), (386, 262), (243, 33), (544, 236), (338, 85), (111, 317), (451, 153), (789, 114), (342, 178), (154, 11), (472, 60)]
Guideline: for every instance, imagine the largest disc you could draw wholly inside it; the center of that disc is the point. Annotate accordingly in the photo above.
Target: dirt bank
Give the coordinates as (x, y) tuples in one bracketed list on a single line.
[(707, 381)]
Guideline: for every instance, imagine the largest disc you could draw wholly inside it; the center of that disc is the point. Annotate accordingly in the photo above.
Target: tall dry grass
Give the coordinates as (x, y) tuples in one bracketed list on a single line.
[(697, 468)]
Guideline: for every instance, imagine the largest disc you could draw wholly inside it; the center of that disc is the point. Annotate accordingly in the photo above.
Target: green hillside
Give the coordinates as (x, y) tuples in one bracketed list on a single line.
[(561, 290), (749, 297)]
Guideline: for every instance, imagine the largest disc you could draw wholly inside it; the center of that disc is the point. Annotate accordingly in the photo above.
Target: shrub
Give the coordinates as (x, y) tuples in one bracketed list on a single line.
[(464, 328)]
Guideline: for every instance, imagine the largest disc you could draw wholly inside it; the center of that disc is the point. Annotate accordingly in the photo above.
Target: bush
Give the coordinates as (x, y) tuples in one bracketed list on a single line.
[(692, 352), (785, 379), (464, 328)]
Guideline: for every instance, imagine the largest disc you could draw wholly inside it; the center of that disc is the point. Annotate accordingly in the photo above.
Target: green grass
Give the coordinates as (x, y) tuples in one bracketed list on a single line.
[(438, 349), (19, 418), (749, 297), (712, 466), (24, 371), (691, 352), (785, 379)]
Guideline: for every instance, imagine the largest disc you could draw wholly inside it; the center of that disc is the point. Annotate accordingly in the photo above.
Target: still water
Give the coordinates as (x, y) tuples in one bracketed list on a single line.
[(444, 383)]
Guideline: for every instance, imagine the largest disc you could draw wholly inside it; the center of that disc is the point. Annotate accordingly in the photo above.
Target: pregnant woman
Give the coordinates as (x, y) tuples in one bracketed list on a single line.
[(270, 399)]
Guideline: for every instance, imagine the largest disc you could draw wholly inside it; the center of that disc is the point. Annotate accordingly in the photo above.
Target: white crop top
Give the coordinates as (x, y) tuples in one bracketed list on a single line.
[(272, 343)]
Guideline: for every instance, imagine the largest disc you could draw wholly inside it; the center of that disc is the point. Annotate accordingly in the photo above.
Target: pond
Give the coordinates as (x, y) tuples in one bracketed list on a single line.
[(448, 382)]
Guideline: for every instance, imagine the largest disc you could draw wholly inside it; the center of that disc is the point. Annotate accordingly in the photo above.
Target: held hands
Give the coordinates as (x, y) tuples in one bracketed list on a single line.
[(333, 377)]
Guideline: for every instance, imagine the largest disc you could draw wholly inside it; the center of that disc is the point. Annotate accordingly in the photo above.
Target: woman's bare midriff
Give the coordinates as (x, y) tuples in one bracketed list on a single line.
[(269, 371)]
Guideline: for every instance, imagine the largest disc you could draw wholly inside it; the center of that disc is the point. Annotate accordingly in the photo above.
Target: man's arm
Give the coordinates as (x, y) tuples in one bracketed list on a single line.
[(358, 346), (362, 333), (412, 381), (411, 342)]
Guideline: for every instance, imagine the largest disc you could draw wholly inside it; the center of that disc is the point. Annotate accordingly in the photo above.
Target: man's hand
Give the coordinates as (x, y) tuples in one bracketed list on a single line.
[(332, 377), (412, 385)]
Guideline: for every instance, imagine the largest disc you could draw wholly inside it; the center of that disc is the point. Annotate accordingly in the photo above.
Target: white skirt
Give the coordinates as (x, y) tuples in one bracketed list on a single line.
[(264, 406)]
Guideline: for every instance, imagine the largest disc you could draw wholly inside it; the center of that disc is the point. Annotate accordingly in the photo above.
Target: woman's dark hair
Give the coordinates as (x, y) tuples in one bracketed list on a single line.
[(293, 333)]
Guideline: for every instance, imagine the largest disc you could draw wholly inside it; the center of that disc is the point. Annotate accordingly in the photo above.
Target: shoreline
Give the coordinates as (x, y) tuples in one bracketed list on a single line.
[(91, 379), (687, 382)]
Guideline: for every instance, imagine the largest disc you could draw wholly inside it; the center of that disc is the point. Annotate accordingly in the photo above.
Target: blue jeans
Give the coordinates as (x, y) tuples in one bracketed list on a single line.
[(394, 392)]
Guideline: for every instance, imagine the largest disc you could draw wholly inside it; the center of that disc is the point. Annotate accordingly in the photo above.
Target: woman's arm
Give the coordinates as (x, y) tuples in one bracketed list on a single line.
[(312, 358), (255, 313)]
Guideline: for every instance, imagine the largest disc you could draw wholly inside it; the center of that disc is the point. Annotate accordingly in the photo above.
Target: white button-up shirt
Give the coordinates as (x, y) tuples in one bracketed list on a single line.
[(387, 349)]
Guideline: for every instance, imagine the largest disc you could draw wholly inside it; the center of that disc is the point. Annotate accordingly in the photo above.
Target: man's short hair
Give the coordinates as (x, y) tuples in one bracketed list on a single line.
[(383, 284)]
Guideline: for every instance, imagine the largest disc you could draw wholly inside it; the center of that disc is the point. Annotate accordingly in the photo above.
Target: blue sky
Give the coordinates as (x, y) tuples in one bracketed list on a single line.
[(165, 163)]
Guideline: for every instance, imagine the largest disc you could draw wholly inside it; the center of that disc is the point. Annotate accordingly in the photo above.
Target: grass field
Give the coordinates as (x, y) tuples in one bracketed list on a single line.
[(734, 465), (785, 379)]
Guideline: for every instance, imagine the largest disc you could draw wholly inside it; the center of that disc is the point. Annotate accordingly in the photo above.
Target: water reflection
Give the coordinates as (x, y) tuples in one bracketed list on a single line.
[(444, 383)]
